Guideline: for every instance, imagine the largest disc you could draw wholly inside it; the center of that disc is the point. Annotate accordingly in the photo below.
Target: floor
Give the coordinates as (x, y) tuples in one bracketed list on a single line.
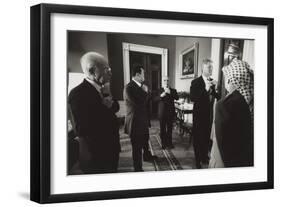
[(181, 157)]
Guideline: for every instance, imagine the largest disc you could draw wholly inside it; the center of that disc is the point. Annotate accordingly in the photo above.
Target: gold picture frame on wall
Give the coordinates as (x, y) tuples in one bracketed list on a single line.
[(188, 62)]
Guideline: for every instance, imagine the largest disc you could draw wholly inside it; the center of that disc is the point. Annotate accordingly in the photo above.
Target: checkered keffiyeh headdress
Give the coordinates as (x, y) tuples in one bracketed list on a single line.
[(240, 75)]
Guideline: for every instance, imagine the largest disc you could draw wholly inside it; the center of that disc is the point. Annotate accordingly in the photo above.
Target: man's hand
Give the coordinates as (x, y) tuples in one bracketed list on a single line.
[(214, 82), (144, 87), (163, 94), (210, 84), (167, 90), (107, 101), (106, 89)]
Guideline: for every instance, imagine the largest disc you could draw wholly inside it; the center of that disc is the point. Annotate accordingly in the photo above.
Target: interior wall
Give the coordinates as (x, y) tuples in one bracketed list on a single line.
[(216, 57), (249, 53), (115, 55), (110, 46), (204, 51), (81, 42)]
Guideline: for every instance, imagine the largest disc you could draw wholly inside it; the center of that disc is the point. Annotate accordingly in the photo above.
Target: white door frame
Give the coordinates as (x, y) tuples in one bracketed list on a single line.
[(127, 47)]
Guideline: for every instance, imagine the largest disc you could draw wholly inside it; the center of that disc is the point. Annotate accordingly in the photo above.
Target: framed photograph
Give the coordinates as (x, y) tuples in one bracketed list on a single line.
[(91, 67), (188, 61)]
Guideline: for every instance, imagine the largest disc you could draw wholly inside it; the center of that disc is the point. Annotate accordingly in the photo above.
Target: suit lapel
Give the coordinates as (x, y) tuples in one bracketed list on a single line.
[(202, 82), (133, 83), (137, 88), (92, 90)]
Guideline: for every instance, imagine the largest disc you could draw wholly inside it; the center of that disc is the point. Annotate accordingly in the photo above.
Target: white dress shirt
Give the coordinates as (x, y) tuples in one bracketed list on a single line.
[(97, 86), (206, 83), (139, 84)]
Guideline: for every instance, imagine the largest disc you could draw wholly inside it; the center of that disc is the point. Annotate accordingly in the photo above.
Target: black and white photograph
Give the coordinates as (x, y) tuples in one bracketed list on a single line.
[(135, 103), (129, 109), (140, 103)]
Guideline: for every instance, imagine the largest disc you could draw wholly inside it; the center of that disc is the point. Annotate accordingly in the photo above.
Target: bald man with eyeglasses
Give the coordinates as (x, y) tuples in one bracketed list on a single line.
[(93, 113)]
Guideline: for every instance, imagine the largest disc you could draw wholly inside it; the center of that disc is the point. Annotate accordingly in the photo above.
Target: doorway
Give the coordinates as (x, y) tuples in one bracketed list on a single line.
[(152, 67), (227, 58), (155, 61)]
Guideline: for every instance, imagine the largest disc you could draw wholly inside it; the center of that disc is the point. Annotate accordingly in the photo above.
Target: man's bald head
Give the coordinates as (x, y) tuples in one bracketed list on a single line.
[(94, 66)]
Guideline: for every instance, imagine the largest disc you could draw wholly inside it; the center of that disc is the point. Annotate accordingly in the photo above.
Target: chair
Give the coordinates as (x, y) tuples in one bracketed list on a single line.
[(184, 125), (178, 118), (187, 126)]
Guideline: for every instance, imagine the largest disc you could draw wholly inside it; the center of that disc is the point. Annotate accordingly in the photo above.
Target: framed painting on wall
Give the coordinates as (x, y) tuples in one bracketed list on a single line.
[(189, 61)]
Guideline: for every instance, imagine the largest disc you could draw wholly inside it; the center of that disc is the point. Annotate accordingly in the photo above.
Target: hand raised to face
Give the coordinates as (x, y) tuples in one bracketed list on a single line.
[(167, 90), (106, 89), (214, 82), (107, 101), (144, 87)]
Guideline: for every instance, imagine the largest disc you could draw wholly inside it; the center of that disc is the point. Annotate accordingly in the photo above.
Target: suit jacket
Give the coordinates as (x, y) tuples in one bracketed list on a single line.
[(93, 121), (136, 120), (234, 131), (203, 105), (166, 106)]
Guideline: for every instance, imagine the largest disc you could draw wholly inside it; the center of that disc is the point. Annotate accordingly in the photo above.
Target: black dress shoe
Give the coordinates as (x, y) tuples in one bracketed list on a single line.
[(205, 161), (171, 146), (139, 170), (198, 166)]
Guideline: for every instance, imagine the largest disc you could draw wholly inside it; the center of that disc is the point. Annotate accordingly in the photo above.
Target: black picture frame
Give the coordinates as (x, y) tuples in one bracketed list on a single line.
[(40, 102)]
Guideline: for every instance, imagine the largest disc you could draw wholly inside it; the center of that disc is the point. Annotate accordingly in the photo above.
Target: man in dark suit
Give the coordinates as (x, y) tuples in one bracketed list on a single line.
[(234, 116), (166, 112), (137, 120), (202, 93), (93, 113), (234, 131)]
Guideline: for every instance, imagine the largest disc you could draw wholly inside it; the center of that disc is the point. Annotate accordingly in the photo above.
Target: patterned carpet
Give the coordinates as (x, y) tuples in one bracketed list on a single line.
[(179, 158)]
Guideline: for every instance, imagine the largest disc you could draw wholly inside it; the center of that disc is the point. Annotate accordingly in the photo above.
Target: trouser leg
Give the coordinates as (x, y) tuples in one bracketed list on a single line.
[(205, 147), (210, 141), (163, 131), (169, 131), (146, 144), (147, 155), (114, 162), (196, 146), (137, 147)]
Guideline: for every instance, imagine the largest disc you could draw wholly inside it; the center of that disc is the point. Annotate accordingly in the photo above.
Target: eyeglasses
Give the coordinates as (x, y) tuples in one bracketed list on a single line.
[(107, 70)]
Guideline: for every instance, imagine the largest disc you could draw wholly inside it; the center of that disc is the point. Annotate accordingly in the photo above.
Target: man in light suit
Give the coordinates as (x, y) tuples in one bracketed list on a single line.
[(202, 93), (137, 120), (93, 114)]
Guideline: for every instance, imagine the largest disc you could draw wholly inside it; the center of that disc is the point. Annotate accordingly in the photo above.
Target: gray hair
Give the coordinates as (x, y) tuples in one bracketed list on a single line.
[(207, 61), (91, 57)]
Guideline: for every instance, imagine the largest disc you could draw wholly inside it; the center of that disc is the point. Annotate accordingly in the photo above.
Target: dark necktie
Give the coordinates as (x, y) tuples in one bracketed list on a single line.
[(210, 90)]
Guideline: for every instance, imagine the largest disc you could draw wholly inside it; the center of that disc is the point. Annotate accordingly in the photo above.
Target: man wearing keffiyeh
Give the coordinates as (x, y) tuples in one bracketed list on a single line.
[(234, 116)]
